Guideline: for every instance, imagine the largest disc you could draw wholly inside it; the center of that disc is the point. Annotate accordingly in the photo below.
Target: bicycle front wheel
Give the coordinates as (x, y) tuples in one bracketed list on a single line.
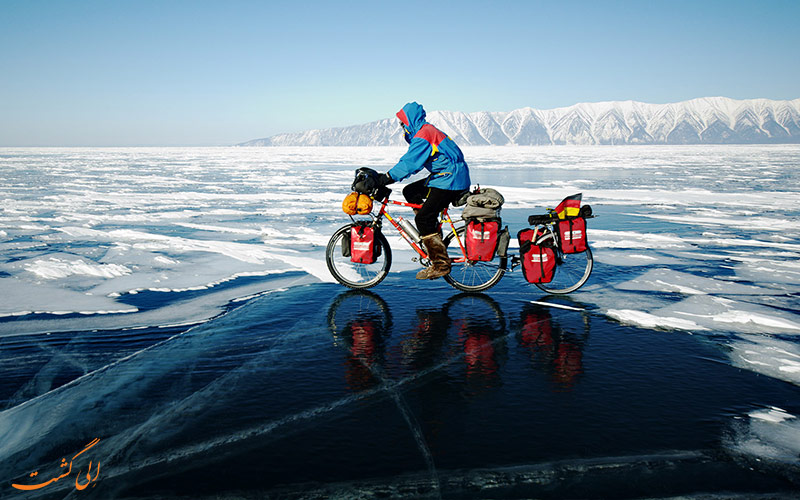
[(572, 271), (471, 276), (354, 274)]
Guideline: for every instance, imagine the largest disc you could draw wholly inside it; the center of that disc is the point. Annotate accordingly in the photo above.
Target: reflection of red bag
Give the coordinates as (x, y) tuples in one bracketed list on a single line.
[(363, 353), (363, 338), (481, 240), (568, 364), (479, 354), (364, 245), (573, 235), (538, 261), (537, 331)]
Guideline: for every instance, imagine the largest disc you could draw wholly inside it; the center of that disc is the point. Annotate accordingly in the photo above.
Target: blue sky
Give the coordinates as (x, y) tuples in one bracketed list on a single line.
[(170, 72)]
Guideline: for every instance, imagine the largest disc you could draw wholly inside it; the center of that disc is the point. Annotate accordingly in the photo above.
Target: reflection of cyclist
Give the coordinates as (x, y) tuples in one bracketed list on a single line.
[(559, 352), (424, 345), (429, 148), (479, 327)]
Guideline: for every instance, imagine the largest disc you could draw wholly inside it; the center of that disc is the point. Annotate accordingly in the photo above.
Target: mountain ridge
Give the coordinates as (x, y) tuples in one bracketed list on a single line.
[(704, 120)]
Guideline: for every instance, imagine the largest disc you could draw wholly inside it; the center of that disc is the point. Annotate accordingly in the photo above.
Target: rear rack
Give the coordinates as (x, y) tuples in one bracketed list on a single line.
[(535, 220)]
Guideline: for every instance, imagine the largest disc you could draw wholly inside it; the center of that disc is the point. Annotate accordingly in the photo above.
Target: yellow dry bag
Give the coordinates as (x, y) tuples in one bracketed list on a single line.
[(355, 203)]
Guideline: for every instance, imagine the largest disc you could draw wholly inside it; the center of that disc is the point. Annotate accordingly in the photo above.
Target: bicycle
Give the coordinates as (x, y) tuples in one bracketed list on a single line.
[(466, 275), (572, 270)]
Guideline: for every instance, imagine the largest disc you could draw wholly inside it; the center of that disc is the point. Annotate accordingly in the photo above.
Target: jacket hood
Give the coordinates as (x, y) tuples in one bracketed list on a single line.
[(413, 116)]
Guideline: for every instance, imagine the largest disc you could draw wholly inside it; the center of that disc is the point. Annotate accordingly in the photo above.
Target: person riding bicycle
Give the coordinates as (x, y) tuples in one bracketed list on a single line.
[(433, 150)]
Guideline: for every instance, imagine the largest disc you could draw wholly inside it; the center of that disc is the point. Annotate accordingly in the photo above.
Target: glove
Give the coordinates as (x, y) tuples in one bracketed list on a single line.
[(384, 180)]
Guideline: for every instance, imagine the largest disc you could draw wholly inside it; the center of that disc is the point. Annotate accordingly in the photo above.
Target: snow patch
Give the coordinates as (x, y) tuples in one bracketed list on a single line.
[(55, 268), (768, 356), (772, 414), (600, 238), (44, 298), (772, 434), (641, 318), (667, 280)]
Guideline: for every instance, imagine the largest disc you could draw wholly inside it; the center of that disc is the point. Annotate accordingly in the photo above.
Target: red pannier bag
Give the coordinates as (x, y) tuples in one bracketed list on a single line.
[(364, 245), (481, 239), (538, 261), (572, 234)]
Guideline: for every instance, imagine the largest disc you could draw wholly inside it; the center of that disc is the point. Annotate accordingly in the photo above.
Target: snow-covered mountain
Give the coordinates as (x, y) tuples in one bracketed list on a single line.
[(710, 120)]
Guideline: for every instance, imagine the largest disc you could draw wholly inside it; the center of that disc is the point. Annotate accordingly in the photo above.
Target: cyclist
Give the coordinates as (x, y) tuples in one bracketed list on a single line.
[(431, 149)]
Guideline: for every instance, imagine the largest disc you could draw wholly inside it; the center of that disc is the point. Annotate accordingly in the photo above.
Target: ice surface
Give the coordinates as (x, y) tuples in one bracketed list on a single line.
[(23, 298), (704, 312), (629, 239), (666, 280), (55, 267), (773, 415), (767, 355), (627, 258), (699, 239), (688, 240), (641, 318), (770, 433)]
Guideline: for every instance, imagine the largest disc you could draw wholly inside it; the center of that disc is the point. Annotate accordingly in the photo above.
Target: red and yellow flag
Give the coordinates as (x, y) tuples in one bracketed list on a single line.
[(569, 206)]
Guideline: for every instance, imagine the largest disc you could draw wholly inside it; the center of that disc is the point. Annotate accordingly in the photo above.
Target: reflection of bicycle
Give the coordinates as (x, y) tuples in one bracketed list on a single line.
[(480, 326), (358, 307), (466, 275), (466, 333), (556, 350), (360, 322), (467, 326)]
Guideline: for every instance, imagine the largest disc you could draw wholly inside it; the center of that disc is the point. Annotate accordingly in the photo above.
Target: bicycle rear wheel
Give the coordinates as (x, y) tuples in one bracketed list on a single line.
[(353, 274), (471, 276), (572, 271)]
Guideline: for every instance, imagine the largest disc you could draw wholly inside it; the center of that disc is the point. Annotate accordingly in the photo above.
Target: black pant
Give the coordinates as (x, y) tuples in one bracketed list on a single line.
[(433, 201)]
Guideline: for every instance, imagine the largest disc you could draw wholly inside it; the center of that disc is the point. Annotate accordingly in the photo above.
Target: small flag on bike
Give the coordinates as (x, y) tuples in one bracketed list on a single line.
[(569, 206)]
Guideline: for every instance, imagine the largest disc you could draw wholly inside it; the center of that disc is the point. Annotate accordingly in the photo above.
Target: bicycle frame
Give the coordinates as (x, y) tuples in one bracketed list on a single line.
[(445, 218)]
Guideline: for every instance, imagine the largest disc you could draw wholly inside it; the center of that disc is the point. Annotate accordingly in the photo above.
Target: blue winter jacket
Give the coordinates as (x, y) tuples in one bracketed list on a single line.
[(430, 148)]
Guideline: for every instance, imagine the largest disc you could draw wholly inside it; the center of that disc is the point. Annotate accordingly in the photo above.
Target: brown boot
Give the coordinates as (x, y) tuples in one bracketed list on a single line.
[(437, 253)]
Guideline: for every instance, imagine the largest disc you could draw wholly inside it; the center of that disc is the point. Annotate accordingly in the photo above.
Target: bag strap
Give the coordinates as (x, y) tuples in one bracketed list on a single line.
[(570, 230), (541, 265)]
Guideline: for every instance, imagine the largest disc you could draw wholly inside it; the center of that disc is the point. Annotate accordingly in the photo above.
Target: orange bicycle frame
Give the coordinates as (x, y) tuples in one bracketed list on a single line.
[(414, 245)]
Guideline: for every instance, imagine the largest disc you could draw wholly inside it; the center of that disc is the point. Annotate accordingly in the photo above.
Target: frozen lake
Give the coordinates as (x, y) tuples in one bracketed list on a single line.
[(175, 304)]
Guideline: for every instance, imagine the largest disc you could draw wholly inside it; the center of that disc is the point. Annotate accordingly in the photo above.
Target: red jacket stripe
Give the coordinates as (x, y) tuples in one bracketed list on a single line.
[(431, 134)]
